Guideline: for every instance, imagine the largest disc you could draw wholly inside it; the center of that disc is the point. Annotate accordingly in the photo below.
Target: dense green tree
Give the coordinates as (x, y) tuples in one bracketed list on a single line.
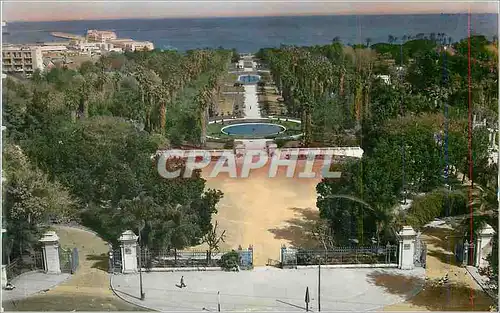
[(108, 161), (30, 201)]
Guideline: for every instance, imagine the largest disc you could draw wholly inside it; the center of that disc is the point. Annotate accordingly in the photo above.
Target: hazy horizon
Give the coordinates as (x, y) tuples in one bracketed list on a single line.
[(40, 11)]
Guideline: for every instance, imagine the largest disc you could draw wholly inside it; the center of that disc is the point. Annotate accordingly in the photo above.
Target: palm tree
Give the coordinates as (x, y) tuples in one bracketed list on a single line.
[(202, 100), (148, 85), (102, 77), (306, 110), (164, 96), (84, 88), (484, 208), (381, 217), (368, 41)]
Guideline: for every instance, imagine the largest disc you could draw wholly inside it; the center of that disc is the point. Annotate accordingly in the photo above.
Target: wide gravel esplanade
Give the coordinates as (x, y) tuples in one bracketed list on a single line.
[(265, 289)]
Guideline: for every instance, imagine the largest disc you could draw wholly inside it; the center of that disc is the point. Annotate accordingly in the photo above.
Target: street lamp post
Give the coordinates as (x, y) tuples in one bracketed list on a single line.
[(319, 286), (218, 301), (143, 295)]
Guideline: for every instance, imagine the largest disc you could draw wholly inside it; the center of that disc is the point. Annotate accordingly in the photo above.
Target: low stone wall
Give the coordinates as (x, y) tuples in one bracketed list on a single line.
[(182, 269), (299, 267)]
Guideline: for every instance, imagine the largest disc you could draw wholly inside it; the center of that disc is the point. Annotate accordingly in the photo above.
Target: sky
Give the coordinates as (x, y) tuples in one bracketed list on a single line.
[(18, 10)]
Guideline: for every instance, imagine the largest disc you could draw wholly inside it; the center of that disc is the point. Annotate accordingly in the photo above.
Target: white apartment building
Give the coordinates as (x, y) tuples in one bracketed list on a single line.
[(86, 47), (132, 45), (95, 47), (21, 59), (100, 35), (51, 48)]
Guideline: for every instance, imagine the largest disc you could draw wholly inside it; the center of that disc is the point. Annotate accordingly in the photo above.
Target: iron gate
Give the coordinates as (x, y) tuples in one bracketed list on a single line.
[(65, 260), (68, 260), (116, 261), (465, 253), (420, 253), (75, 261)]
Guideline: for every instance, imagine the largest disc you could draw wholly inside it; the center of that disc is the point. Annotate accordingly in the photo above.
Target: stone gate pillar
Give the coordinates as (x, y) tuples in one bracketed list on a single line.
[(407, 248), (483, 245), (50, 242), (128, 245)]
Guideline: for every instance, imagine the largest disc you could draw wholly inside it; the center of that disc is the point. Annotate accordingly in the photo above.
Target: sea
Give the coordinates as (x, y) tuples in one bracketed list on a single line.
[(249, 34)]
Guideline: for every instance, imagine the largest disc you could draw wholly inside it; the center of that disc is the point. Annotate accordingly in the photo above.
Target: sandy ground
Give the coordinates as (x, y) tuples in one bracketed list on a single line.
[(226, 104), (265, 212)]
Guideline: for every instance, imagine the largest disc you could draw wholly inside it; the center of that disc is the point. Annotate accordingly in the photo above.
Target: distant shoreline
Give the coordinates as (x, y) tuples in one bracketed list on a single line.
[(249, 34), (249, 17)]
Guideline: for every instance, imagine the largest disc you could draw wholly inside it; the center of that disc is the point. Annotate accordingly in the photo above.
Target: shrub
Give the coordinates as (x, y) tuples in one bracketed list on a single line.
[(426, 208), (230, 261), (280, 142), (229, 144), (304, 257)]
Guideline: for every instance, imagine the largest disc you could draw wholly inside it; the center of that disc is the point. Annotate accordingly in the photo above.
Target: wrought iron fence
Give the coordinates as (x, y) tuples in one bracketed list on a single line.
[(193, 258), (339, 255), (172, 258), (25, 263)]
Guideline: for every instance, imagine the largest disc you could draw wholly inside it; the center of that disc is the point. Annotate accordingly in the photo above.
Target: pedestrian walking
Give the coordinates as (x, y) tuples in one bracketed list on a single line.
[(182, 282)]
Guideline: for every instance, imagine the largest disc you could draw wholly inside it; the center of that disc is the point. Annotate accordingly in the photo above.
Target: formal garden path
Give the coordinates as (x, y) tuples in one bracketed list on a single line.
[(88, 289)]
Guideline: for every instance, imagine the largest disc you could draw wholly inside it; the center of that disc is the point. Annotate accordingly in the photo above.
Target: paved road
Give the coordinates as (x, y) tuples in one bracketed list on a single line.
[(31, 283), (263, 289)]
